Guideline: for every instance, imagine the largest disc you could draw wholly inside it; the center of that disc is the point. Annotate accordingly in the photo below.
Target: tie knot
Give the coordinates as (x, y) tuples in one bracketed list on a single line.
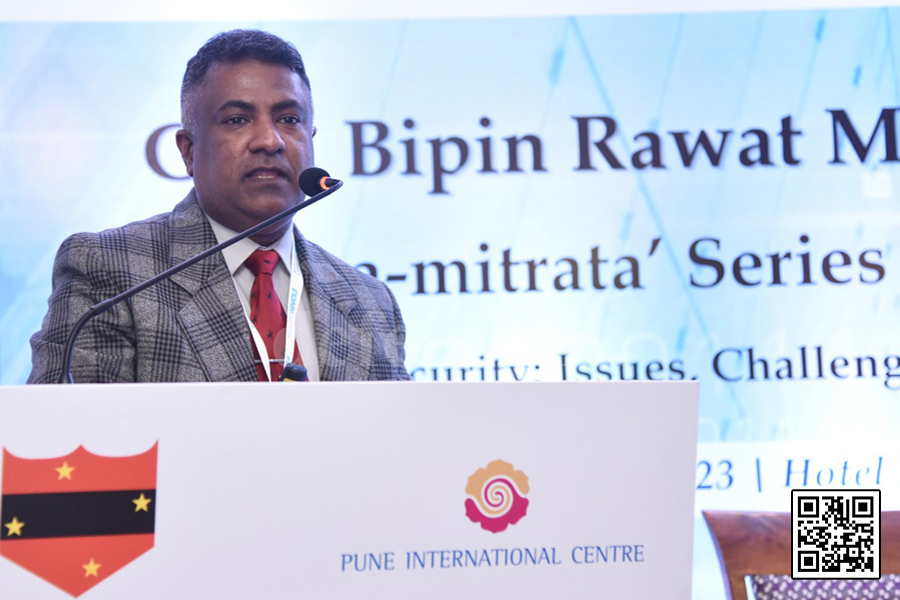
[(262, 262)]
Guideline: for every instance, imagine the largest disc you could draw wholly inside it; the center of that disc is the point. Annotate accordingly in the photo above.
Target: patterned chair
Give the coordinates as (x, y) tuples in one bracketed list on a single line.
[(759, 544)]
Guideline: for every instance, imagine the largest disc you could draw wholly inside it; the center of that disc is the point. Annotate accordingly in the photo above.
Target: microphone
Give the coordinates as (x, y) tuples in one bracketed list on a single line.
[(314, 182)]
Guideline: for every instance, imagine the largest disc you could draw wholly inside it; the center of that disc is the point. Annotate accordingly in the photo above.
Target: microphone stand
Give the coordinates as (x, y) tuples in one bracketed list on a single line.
[(102, 307)]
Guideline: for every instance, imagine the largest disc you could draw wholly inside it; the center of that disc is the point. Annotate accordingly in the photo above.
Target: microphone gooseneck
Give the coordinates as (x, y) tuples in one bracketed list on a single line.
[(315, 183)]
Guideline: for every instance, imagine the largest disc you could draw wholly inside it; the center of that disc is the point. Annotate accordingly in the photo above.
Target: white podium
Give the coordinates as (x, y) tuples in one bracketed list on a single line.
[(348, 490)]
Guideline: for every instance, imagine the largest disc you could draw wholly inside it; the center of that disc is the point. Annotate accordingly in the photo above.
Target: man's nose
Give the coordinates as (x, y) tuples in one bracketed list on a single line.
[(266, 138)]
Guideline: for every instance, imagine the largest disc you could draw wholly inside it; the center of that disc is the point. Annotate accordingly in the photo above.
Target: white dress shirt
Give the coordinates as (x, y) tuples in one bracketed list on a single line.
[(243, 280)]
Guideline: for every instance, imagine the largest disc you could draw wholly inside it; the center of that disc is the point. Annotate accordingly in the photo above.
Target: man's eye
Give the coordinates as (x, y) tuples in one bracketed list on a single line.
[(290, 120), (235, 121)]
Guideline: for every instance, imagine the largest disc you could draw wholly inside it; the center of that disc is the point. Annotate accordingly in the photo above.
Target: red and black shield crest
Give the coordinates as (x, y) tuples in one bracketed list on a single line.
[(77, 519)]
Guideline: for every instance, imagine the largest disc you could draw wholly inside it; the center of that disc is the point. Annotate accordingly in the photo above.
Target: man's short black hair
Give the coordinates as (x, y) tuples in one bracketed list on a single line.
[(231, 47)]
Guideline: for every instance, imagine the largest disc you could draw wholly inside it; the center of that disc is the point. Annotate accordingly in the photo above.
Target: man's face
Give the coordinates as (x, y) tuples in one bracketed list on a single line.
[(253, 138)]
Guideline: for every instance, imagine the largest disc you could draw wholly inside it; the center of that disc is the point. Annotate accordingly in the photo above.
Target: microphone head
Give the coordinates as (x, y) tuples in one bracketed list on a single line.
[(314, 180)]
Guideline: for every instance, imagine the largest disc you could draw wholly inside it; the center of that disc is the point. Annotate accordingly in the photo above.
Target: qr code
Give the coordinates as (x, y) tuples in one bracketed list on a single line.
[(836, 534)]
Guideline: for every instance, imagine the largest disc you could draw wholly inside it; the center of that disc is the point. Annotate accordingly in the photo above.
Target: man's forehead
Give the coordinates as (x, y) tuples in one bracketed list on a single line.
[(240, 80)]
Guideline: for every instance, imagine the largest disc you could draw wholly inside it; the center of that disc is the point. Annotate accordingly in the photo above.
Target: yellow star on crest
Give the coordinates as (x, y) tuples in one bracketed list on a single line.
[(14, 527), (142, 503), (91, 568), (65, 471)]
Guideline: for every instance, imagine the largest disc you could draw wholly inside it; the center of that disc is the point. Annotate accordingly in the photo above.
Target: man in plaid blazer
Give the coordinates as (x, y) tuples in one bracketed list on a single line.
[(247, 116)]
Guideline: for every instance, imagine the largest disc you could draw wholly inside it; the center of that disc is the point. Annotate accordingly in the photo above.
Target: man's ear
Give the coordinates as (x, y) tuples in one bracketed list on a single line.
[(186, 146)]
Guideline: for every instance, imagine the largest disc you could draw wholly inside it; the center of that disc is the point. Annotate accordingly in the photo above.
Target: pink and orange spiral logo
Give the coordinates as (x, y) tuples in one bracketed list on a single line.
[(497, 496)]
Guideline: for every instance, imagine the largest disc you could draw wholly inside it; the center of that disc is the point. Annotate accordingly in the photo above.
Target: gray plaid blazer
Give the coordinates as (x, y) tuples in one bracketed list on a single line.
[(192, 326)]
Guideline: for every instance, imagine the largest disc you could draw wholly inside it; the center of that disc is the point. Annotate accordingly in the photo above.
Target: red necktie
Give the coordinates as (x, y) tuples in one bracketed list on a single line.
[(266, 312)]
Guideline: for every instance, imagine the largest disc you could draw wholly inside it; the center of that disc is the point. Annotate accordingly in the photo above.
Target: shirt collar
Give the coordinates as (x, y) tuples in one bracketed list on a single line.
[(236, 254)]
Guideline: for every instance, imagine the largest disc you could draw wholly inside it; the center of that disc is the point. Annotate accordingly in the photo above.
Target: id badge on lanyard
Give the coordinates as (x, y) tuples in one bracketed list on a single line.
[(296, 286)]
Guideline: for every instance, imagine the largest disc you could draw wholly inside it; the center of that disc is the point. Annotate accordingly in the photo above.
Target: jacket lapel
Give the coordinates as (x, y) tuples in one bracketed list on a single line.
[(344, 350), (212, 320)]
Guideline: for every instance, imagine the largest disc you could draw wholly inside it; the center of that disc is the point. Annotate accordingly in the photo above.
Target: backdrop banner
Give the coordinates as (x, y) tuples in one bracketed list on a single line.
[(659, 197)]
